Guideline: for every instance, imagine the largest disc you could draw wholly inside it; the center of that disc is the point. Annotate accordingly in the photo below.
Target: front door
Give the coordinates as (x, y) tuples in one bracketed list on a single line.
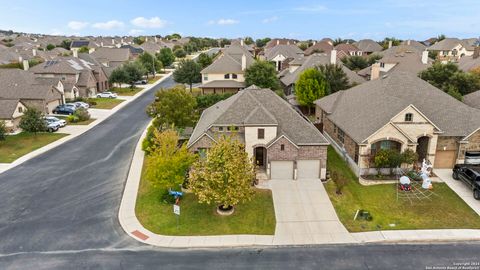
[(260, 156)]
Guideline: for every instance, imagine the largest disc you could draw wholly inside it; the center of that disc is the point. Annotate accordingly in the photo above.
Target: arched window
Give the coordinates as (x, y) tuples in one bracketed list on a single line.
[(408, 117), (386, 144)]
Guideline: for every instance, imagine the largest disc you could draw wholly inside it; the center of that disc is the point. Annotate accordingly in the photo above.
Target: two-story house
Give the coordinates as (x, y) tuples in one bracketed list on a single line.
[(451, 49)]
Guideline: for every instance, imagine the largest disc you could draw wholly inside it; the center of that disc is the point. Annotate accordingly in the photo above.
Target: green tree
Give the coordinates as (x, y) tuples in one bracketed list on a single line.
[(225, 176), (303, 46), (3, 130), (135, 72), (433, 54), (166, 56), (138, 40), (32, 121), (83, 49), (310, 86), (168, 163), (338, 41), (355, 62), (174, 106), (248, 40), (66, 44), (50, 47), (205, 101), (441, 37), (204, 60), (262, 74), (224, 42), (150, 63), (386, 41), (336, 78), (373, 58), (188, 72), (179, 53), (118, 76), (173, 36), (261, 42)]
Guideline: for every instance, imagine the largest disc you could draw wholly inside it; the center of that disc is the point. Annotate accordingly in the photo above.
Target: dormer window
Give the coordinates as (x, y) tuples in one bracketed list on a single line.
[(234, 76), (408, 117), (220, 129), (227, 76)]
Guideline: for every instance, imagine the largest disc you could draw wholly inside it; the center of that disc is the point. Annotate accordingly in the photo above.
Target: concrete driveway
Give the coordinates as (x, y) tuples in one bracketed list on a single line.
[(459, 187), (305, 214)]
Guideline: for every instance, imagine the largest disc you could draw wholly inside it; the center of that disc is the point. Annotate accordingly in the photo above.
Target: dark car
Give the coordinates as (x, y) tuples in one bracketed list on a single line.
[(63, 109), (470, 175)]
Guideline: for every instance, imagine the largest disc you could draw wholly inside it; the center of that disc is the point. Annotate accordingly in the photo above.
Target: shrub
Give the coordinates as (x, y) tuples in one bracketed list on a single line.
[(409, 156), (3, 130), (72, 118), (340, 182), (205, 101), (82, 114), (147, 142), (32, 121)]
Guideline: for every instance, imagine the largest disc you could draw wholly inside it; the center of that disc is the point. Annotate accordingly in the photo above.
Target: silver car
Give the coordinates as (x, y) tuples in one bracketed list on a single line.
[(81, 104), (53, 119)]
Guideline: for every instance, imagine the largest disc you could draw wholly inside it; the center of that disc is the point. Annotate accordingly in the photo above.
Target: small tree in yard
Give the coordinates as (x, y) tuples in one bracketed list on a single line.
[(225, 176), (32, 121), (409, 157), (119, 76), (310, 86), (204, 60), (188, 72), (168, 163), (3, 130), (135, 72), (166, 56), (174, 106), (336, 78), (339, 181), (150, 63), (180, 53), (262, 74)]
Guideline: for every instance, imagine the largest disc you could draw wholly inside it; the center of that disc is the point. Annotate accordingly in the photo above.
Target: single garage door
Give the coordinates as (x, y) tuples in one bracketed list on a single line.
[(308, 169), (445, 159), (281, 170)]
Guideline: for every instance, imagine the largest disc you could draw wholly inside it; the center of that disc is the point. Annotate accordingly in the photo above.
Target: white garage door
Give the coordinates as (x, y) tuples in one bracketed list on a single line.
[(308, 169), (281, 169)]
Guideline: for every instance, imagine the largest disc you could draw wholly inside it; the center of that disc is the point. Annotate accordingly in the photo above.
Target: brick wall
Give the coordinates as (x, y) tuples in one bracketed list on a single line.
[(274, 152), (204, 142), (474, 142), (349, 144)]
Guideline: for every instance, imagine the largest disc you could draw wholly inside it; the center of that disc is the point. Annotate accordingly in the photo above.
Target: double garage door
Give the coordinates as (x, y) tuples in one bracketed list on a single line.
[(306, 169)]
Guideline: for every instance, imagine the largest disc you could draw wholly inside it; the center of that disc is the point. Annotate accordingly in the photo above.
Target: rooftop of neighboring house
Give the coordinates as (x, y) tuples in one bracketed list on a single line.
[(63, 65), (287, 50), (319, 47), (134, 49), (449, 44), (346, 47), (418, 45), (279, 41), (151, 47), (472, 99), (362, 110), (20, 84), (468, 63), (230, 61), (7, 107), (368, 45), (111, 54), (83, 43), (256, 107)]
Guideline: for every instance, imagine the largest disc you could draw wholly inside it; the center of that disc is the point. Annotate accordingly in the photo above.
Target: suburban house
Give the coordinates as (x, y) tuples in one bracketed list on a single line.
[(452, 49), (399, 111), (11, 111), (76, 45), (226, 73), (398, 58), (368, 46), (281, 55), (289, 76), (467, 63), (42, 93), (418, 45), (111, 57), (279, 41), (472, 99), (323, 46), (346, 50), (280, 140)]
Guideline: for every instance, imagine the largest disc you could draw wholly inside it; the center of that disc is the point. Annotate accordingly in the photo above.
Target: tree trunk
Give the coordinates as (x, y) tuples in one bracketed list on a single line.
[(191, 88)]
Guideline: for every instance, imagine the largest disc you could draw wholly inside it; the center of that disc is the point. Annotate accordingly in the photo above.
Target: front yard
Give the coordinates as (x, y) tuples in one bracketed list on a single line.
[(254, 217), (104, 103), (444, 211), (15, 146), (154, 79), (125, 91), (80, 123)]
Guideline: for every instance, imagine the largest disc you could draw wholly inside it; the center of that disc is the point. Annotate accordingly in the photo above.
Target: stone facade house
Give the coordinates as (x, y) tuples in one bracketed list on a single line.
[(452, 49), (275, 135), (11, 112), (399, 111)]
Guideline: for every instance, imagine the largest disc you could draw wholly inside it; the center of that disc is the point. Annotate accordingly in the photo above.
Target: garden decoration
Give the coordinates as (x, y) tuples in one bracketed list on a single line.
[(405, 183), (427, 183)]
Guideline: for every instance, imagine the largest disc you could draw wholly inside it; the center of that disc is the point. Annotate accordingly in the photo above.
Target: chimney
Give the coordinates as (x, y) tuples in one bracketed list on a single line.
[(101, 44), (408, 42), (278, 41), (244, 62), (241, 42), (146, 39), (75, 53), (20, 59), (425, 57), (389, 44), (375, 71), (476, 52), (34, 52), (26, 66), (156, 39), (288, 42), (113, 41), (314, 42), (121, 40), (333, 57)]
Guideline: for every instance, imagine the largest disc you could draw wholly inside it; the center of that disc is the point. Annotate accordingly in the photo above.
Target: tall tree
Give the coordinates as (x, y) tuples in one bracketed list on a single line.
[(3, 130), (168, 162), (118, 76), (248, 40), (66, 44), (188, 72), (180, 53), (335, 77), (150, 63), (225, 176), (355, 62), (32, 121), (310, 86), (262, 74), (174, 106), (135, 72), (166, 56), (386, 41), (204, 60), (261, 42)]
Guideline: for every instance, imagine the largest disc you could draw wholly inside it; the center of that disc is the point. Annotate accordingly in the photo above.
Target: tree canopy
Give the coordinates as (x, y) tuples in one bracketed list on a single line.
[(262, 74), (261, 42), (188, 72), (335, 77), (134, 71), (32, 121), (355, 62), (150, 63), (310, 86), (180, 53), (166, 56), (204, 60)]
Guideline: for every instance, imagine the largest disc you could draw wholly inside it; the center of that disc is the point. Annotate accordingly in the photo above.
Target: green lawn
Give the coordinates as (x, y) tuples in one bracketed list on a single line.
[(154, 79), (105, 103), (254, 217), (125, 91), (82, 123), (444, 211), (21, 144)]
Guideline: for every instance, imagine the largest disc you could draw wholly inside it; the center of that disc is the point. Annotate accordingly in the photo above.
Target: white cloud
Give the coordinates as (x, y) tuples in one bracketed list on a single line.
[(154, 22), (223, 22), (314, 8), (134, 32), (77, 25), (269, 20), (108, 25)]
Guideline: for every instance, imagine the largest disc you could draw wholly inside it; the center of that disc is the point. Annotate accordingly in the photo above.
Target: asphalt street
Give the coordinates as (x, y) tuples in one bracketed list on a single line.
[(59, 211)]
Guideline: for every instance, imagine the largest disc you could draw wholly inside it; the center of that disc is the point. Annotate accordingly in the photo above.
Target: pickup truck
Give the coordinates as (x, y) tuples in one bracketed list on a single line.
[(470, 175)]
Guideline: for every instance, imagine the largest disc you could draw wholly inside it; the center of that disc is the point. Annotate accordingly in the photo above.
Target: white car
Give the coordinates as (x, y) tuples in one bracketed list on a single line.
[(80, 104), (107, 95), (53, 119)]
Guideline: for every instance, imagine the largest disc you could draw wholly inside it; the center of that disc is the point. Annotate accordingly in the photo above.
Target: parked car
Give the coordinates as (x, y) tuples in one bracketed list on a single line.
[(53, 119), (141, 82), (81, 104), (52, 126), (470, 175), (107, 95), (72, 105), (64, 109)]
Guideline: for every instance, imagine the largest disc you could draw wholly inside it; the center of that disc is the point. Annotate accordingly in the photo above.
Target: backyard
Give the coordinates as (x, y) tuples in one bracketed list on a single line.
[(104, 103), (444, 210), (254, 217), (15, 146)]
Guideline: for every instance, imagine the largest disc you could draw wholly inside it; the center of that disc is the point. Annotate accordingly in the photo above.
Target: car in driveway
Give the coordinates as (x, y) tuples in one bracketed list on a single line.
[(140, 82), (53, 119), (470, 175), (52, 126), (64, 109), (107, 95), (81, 104)]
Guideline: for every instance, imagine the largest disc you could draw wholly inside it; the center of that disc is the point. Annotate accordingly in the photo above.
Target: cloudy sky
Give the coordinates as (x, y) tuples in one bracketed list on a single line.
[(418, 19)]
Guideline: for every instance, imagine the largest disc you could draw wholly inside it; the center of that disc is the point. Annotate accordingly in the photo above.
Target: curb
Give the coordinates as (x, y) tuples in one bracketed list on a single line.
[(69, 137)]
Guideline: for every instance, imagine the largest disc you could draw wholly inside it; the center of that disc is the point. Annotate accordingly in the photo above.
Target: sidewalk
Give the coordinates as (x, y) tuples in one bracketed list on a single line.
[(297, 222), (76, 130), (460, 188)]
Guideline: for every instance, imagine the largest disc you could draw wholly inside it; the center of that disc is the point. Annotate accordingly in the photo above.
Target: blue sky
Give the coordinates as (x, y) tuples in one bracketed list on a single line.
[(419, 19)]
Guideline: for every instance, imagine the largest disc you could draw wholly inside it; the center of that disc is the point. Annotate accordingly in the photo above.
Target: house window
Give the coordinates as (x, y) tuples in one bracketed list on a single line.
[(261, 133), (233, 128), (234, 76), (20, 109), (220, 129), (341, 136), (227, 76), (205, 77), (334, 128), (282, 147), (382, 65), (408, 117)]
